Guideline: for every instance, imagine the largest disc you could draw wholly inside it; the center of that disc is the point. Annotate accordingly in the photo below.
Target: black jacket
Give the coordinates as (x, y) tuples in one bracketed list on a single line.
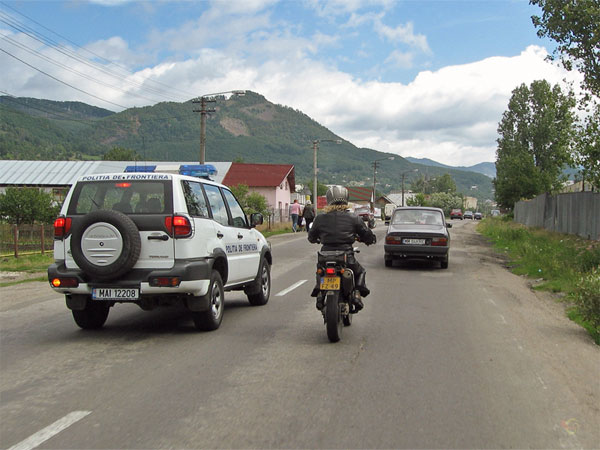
[(309, 212), (337, 230)]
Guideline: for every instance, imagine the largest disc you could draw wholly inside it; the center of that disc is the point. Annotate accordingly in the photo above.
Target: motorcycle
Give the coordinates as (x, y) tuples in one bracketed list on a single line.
[(336, 286)]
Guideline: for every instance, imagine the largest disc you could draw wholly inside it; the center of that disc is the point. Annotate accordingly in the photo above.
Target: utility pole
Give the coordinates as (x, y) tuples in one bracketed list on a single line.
[(203, 112)]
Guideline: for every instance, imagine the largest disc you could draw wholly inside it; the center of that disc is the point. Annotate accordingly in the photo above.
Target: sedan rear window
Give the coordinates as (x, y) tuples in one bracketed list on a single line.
[(417, 217)]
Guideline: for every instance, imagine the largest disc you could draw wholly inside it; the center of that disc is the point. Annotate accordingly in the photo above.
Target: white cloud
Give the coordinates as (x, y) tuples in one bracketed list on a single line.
[(402, 33), (400, 59)]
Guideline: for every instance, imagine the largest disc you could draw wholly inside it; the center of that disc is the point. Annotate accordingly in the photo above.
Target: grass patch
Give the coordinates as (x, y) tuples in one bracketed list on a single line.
[(560, 263), (278, 228), (26, 263)]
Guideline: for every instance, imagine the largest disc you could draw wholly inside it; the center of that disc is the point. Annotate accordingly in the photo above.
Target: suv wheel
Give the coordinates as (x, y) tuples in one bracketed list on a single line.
[(263, 285), (211, 319), (93, 316), (105, 244)]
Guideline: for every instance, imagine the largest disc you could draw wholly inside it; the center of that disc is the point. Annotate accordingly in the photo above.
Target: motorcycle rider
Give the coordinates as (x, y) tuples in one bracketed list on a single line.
[(337, 230)]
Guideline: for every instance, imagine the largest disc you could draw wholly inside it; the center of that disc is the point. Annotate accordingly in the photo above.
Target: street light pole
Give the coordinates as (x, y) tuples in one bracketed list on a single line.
[(204, 99), (403, 174), (315, 148), (391, 158)]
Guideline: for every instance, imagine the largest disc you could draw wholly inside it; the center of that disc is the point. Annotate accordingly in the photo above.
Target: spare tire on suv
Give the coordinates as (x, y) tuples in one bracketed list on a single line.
[(105, 244)]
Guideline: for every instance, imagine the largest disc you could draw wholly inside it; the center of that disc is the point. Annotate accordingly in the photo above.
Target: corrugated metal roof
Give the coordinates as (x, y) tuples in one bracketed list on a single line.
[(64, 173)]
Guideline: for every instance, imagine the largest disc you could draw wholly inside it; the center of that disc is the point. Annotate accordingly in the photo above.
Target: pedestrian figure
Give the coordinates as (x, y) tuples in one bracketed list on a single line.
[(308, 214), (295, 213)]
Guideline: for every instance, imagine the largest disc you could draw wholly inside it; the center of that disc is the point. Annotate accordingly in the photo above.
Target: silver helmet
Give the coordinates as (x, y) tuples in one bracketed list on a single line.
[(337, 195)]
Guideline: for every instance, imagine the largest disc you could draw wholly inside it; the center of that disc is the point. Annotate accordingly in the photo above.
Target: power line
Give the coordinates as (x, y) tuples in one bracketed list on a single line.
[(23, 28), (60, 81)]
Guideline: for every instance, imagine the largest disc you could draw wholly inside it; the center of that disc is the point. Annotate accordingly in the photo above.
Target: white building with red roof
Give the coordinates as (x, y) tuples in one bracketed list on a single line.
[(276, 182)]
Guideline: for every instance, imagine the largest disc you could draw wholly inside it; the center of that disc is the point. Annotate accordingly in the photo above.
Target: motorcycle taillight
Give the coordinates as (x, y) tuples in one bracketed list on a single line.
[(330, 271)]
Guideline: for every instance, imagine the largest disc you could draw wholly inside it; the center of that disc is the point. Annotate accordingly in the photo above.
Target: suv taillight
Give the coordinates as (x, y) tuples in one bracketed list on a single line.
[(178, 226), (62, 226)]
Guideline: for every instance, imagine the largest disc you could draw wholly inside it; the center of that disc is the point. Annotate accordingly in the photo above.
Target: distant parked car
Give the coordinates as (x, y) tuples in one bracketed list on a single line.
[(495, 212), (478, 216), (365, 213), (417, 232), (468, 215), (456, 214)]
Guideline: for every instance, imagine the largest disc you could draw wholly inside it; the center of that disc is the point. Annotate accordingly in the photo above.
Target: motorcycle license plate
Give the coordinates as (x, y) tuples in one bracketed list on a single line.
[(115, 294), (330, 283)]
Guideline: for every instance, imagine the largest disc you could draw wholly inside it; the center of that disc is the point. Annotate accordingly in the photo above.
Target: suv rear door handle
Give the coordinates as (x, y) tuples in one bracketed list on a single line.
[(164, 237), (219, 234)]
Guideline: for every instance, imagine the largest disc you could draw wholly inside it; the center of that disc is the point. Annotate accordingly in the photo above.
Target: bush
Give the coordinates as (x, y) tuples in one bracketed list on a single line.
[(587, 298)]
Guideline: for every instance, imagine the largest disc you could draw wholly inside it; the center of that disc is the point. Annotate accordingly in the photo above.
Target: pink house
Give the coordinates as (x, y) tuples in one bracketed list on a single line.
[(275, 182)]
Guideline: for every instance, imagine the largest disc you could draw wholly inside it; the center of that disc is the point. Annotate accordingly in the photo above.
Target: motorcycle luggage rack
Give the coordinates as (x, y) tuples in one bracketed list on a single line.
[(336, 255)]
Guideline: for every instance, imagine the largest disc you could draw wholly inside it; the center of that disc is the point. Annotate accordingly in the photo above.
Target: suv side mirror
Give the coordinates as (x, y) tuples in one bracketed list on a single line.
[(448, 225), (256, 219)]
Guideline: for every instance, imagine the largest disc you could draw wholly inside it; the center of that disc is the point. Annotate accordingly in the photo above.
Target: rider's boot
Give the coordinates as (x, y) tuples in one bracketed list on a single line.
[(357, 301)]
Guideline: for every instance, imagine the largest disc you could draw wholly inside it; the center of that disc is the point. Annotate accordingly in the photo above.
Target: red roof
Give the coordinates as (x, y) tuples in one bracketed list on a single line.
[(260, 175), (359, 194)]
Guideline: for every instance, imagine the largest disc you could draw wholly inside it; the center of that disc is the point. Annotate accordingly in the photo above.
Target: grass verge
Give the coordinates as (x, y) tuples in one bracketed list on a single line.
[(560, 263)]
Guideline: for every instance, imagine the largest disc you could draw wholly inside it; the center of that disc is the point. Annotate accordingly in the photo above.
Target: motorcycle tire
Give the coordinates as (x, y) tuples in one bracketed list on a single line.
[(333, 316)]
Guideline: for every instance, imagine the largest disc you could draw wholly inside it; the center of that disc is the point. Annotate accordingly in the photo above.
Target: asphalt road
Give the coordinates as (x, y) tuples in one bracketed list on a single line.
[(467, 357)]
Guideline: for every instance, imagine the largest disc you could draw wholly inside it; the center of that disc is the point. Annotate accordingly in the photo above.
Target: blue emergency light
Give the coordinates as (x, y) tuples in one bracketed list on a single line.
[(198, 170), (140, 168)]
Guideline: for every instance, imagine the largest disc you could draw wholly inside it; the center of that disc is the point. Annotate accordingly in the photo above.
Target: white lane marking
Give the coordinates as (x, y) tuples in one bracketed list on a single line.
[(491, 301), (51, 430), (503, 319), (291, 288), (542, 382)]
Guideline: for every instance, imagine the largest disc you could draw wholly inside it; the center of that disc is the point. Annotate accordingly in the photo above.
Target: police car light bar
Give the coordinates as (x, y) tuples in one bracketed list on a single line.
[(140, 168), (198, 170)]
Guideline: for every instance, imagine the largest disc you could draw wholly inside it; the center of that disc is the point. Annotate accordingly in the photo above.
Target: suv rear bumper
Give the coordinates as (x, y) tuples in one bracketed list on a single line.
[(194, 275)]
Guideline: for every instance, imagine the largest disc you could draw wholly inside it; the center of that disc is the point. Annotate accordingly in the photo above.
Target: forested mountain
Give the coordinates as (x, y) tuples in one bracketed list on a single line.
[(248, 129), (486, 168)]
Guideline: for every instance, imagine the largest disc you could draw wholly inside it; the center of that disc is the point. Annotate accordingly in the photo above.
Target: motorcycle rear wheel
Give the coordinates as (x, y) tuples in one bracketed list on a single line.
[(333, 316)]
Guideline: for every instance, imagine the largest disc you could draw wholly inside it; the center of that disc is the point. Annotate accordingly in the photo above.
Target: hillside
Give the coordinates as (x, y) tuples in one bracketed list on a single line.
[(485, 168), (248, 128)]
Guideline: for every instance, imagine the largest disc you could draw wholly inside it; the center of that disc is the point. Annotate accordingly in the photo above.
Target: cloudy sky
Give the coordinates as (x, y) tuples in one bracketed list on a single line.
[(421, 78)]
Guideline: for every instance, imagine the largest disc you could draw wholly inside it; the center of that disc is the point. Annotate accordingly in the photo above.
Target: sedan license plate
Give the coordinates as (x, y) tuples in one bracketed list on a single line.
[(115, 293), (413, 241), (330, 283)]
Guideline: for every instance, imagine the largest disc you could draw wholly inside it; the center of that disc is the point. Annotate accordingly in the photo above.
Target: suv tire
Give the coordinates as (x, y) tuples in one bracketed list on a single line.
[(120, 229), (93, 316), (262, 288), (211, 319)]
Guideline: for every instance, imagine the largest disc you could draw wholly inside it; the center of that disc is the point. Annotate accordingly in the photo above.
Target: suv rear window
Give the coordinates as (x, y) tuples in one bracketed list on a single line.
[(126, 196)]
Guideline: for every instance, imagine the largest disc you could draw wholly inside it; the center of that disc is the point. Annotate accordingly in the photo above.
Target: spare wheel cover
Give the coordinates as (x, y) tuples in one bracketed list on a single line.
[(105, 244)]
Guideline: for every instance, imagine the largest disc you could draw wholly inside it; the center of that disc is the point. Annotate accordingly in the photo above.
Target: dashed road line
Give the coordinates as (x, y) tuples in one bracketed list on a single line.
[(291, 288), (51, 430)]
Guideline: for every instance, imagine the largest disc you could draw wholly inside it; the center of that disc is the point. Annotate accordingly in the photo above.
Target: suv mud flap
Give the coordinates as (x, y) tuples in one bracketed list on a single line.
[(197, 303)]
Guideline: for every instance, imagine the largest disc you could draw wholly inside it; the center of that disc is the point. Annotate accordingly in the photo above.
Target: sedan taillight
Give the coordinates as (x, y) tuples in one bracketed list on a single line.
[(62, 226), (439, 241), (390, 239)]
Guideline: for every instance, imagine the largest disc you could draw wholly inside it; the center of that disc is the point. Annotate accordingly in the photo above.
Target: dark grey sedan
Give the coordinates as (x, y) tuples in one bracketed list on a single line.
[(417, 233)]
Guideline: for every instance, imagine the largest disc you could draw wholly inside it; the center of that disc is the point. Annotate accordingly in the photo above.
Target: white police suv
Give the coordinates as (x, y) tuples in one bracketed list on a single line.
[(156, 239)]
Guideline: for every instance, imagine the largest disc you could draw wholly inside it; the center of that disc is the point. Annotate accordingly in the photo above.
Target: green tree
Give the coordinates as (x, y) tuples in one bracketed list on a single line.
[(575, 26), (252, 202), (444, 200), (27, 205), (121, 154), (536, 141), (445, 183), (418, 200)]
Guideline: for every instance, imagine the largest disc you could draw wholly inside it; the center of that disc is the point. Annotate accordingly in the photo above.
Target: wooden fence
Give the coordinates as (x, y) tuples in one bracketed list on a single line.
[(26, 239)]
